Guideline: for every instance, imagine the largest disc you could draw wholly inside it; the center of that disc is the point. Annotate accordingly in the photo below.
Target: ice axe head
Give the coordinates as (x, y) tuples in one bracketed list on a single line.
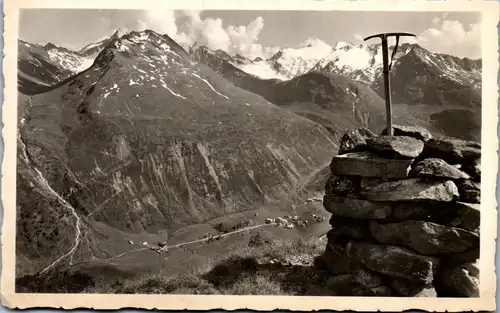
[(387, 35)]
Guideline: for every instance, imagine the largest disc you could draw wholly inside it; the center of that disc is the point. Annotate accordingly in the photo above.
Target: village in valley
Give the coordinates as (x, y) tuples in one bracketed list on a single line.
[(286, 222)]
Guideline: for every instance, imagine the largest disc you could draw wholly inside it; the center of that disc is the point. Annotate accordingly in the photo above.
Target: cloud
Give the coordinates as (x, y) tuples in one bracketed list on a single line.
[(210, 32), (358, 37), (444, 35), (163, 21), (313, 42), (452, 37), (234, 39), (268, 52)]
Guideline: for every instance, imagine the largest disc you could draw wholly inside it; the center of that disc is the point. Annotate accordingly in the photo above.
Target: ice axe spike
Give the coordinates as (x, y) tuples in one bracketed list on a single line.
[(387, 69)]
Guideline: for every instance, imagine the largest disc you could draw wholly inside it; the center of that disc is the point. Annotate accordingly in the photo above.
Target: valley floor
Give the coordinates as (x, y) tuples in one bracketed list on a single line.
[(263, 267), (250, 253)]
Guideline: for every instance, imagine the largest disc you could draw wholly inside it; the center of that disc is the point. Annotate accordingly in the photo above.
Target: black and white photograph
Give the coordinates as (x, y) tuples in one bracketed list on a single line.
[(262, 152)]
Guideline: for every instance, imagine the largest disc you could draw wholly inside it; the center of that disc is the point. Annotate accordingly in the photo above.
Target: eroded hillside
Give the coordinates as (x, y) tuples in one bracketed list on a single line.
[(146, 139)]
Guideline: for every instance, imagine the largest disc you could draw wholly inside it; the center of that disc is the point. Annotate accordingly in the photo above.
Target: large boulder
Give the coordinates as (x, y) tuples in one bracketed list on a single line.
[(434, 167), (356, 208), (470, 191), (355, 140), (398, 147), (416, 132), (406, 288), (424, 237), (459, 281), (367, 164), (455, 214), (452, 150), (412, 189), (394, 261)]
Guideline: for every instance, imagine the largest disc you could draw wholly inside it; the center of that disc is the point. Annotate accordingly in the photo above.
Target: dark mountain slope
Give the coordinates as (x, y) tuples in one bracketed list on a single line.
[(429, 89), (420, 76), (41, 68), (146, 139), (36, 70)]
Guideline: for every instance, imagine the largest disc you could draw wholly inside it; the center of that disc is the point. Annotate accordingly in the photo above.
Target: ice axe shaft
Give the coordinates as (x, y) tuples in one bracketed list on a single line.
[(387, 69)]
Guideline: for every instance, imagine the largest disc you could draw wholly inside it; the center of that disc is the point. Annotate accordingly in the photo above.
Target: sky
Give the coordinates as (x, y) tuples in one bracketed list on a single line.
[(255, 33)]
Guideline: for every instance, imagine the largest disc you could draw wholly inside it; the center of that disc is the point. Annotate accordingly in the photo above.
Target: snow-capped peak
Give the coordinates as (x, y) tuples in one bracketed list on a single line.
[(291, 62), (70, 60), (342, 45), (345, 57)]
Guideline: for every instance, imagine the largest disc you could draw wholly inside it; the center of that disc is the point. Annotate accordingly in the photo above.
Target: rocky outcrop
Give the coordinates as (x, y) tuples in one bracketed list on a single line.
[(368, 164), (397, 147), (437, 168), (410, 131), (355, 140), (405, 214)]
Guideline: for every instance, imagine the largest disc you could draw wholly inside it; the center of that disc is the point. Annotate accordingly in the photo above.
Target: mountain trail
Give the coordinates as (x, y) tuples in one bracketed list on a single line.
[(78, 222)]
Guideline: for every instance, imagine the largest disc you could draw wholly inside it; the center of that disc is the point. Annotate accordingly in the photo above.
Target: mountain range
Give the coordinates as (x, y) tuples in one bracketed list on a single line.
[(419, 76), (134, 134)]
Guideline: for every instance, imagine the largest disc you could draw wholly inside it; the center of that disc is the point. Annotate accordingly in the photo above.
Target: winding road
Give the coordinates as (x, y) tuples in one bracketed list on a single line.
[(193, 241)]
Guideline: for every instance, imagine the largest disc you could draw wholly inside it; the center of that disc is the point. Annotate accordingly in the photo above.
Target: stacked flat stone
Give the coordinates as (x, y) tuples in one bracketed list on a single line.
[(405, 215)]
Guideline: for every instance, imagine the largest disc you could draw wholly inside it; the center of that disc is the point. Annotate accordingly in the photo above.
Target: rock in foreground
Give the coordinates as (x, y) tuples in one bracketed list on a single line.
[(394, 261), (473, 168), (412, 189), (341, 186), (355, 140), (460, 281), (404, 218), (470, 191), (452, 150), (398, 147), (356, 208), (406, 288), (434, 167), (416, 132), (424, 237)]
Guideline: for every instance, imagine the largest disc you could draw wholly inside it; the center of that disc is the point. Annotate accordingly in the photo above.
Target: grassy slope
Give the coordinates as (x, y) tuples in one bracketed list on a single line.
[(260, 266)]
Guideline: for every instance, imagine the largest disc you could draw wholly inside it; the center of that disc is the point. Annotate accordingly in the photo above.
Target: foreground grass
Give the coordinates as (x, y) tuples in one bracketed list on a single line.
[(263, 267)]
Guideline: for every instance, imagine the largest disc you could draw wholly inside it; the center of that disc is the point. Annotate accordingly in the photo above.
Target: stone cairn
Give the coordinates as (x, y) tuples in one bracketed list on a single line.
[(405, 215)]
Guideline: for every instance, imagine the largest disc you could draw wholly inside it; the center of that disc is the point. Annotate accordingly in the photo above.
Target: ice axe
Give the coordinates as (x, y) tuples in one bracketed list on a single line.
[(387, 69)]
